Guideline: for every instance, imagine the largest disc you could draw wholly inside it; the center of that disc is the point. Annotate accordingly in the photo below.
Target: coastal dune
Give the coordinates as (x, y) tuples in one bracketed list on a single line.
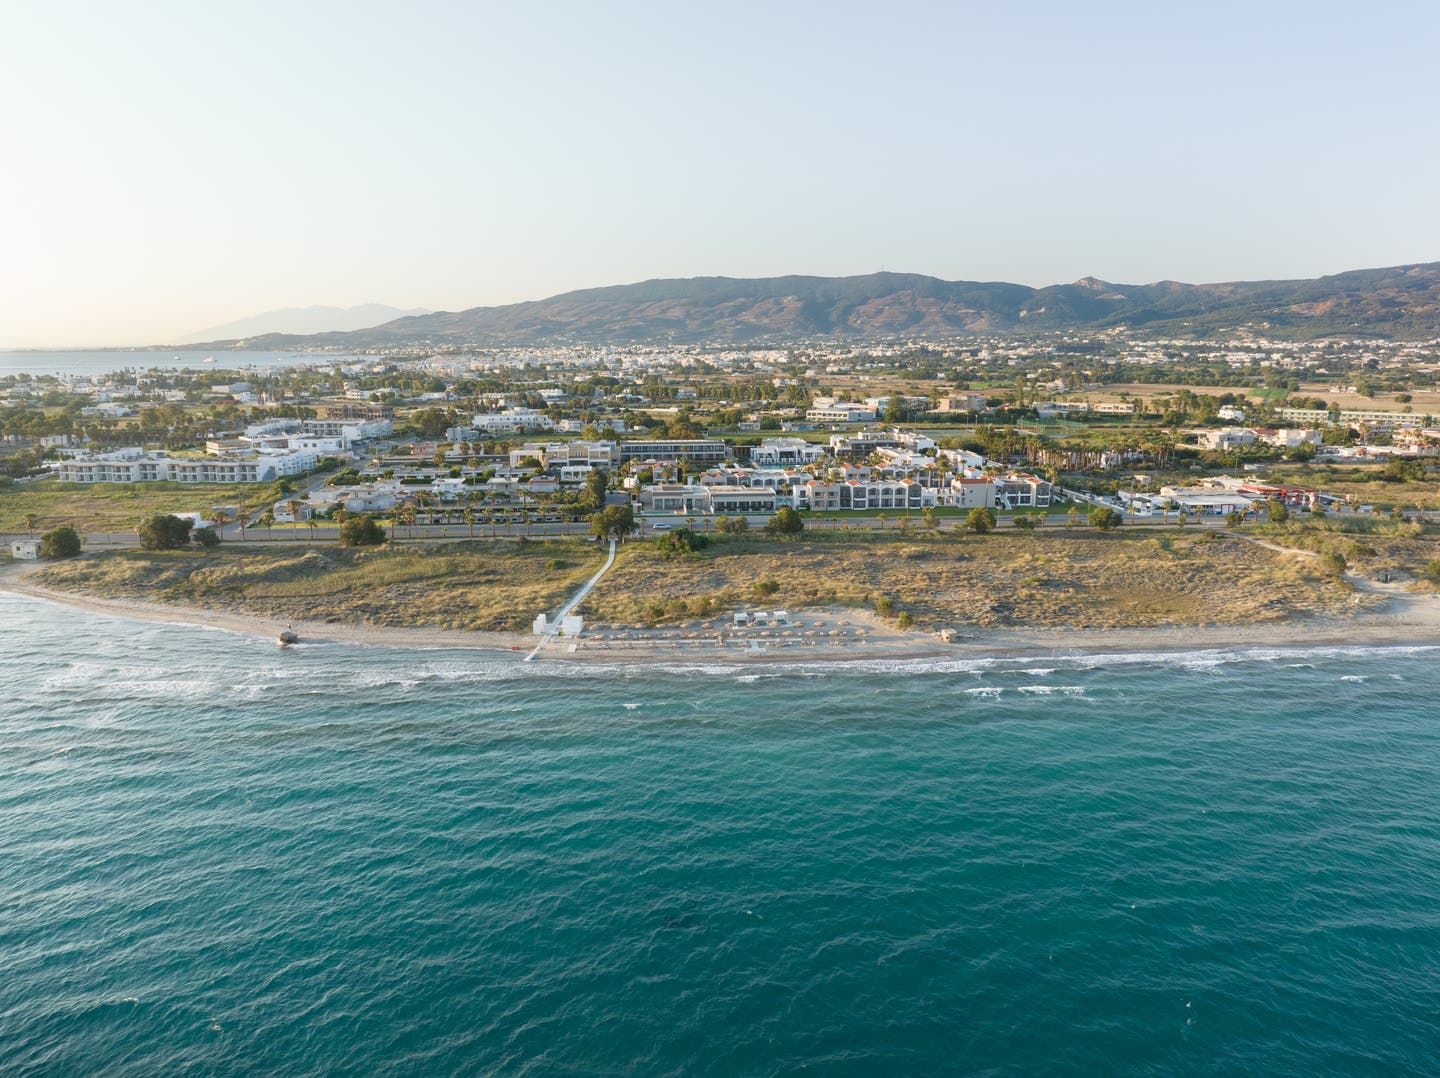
[(1398, 617)]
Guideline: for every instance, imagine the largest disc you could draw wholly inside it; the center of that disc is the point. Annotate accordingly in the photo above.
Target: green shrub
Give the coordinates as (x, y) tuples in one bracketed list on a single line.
[(163, 531), (681, 541), (785, 522), (361, 531), (1105, 518), (61, 542), (980, 520)]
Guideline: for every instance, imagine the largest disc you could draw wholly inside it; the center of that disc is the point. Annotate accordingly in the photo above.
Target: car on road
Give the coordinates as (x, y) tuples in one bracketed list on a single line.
[(660, 527)]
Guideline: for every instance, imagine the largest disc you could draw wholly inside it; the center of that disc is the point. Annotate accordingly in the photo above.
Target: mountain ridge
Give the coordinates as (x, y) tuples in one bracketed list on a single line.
[(315, 318), (1401, 302)]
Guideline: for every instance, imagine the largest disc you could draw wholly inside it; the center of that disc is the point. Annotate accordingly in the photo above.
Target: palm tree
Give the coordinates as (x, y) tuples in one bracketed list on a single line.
[(1072, 517), (267, 518), (470, 520), (31, 520), (295, 507), (312, 524), (407, 517), (219, 518)]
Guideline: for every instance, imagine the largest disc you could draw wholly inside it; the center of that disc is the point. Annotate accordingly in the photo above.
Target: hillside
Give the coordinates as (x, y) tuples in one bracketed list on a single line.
[(1401, 302)]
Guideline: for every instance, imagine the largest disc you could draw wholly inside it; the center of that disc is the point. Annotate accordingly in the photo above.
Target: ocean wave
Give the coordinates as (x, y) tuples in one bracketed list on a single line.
[(1202, 660)]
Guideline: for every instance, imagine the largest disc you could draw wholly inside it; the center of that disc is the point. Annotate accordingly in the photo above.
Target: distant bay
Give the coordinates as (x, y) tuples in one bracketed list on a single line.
[(105, 361)]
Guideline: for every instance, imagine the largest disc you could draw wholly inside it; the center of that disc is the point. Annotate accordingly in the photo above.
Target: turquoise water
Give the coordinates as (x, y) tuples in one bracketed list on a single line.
[(223, 858)]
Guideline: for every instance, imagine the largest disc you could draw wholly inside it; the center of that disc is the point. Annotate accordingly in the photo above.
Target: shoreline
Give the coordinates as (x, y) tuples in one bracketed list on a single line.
[(1406, 619)]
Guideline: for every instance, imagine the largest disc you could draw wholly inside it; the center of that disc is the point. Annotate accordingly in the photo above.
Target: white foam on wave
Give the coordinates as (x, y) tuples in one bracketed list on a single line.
[(506, 669)]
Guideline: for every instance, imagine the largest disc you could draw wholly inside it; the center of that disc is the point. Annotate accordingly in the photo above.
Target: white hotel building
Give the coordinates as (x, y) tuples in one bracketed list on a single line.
[(840, 412), (137, 466)]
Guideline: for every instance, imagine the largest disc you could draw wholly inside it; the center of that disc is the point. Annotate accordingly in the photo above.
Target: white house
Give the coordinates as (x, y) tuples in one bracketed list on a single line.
[(1020, 489), (380, 498), (513, 419), (1225, 438), (25, 549), (962, 402), (967, 492), (1288, 438), (284, 514), (841, 412), (448, 488), (785, 452)]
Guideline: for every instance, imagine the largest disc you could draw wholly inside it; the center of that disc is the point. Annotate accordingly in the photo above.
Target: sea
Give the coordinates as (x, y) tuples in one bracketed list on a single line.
[(108, 361), (220, 857)]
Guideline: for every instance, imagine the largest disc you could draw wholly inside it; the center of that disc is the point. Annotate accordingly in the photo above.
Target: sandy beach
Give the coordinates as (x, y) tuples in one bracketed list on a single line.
[(809, 635)]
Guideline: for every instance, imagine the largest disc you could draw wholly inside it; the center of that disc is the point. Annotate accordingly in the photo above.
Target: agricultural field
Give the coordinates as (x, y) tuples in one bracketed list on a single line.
[(1142, 391), (1423, 401), (116, 507)]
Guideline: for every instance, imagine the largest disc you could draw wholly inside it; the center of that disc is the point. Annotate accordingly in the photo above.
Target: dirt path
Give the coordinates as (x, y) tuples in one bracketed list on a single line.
[(1417, 608)]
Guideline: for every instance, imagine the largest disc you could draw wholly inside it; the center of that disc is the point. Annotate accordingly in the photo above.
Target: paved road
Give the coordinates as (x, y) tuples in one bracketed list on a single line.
[(449, 533)]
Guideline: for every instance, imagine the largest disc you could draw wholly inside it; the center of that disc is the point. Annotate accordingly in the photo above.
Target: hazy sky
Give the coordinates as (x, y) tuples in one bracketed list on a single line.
[(169, 166)]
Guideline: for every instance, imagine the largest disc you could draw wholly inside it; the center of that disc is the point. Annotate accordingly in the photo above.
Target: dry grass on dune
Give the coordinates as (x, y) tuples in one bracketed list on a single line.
[(1065, 580), (1055, 578), (1372, 546), (470, 586)]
